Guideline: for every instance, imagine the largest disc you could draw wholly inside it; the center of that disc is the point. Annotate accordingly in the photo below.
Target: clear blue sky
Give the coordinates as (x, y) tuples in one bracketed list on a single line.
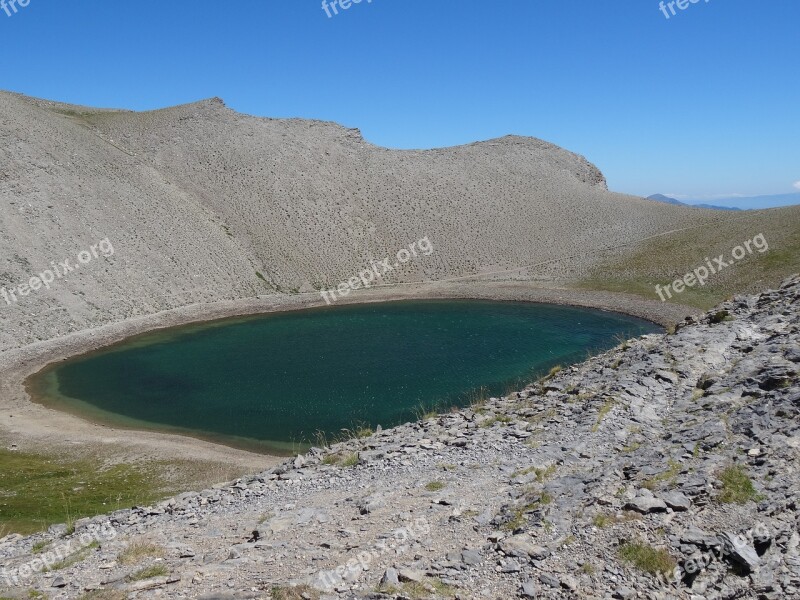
[(705, 103)]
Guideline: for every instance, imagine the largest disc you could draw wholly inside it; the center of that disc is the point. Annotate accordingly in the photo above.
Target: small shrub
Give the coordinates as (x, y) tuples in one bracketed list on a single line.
[(434, 486), (720, 316)]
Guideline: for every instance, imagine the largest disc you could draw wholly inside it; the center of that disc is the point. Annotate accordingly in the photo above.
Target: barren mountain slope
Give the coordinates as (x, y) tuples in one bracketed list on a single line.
[(201, 202)]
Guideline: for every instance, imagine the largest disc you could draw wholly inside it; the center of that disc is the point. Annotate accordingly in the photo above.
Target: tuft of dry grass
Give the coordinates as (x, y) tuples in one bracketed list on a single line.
[(138, 550), (651, 560)]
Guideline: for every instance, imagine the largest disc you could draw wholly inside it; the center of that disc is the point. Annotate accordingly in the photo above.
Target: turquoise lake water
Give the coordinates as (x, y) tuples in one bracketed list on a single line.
[(269, 383)]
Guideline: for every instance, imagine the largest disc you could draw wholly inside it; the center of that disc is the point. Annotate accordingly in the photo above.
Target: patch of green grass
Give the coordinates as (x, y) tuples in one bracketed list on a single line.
[(149, 573), (39, 546), (663, 259), (648, 559), (39, 491), (434, 486), (736, 486)]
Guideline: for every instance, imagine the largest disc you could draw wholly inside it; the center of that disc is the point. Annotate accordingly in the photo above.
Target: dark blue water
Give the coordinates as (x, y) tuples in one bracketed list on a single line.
[(271, 382)]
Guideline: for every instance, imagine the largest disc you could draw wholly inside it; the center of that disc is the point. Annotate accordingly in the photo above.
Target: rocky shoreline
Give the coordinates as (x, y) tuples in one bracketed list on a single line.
[(665, 468)]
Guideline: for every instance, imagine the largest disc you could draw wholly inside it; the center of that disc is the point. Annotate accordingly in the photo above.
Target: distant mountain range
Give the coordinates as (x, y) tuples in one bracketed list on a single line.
[(668, 200), (735, 202)]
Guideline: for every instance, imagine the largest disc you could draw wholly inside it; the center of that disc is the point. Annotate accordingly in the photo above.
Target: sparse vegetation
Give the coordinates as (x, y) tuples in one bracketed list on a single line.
[(344, 460), (434, 486), (104, 594), (302, 592), (631, 447), (42, 490), (430, 588), (669, 476), (149, 573), (542, 474), (424, 413), (73, 559), (553, 372), (736, 486), (648, 559), (504, 419), (720, 316), (138, 550), (661, 259), (603, 412), (602, 520)]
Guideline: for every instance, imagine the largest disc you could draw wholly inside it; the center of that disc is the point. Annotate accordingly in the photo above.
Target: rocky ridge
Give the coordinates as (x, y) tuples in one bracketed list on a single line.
[(665, 468)]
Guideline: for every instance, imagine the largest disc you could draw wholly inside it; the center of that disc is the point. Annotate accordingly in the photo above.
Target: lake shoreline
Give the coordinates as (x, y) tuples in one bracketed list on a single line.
[(34, 428)]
